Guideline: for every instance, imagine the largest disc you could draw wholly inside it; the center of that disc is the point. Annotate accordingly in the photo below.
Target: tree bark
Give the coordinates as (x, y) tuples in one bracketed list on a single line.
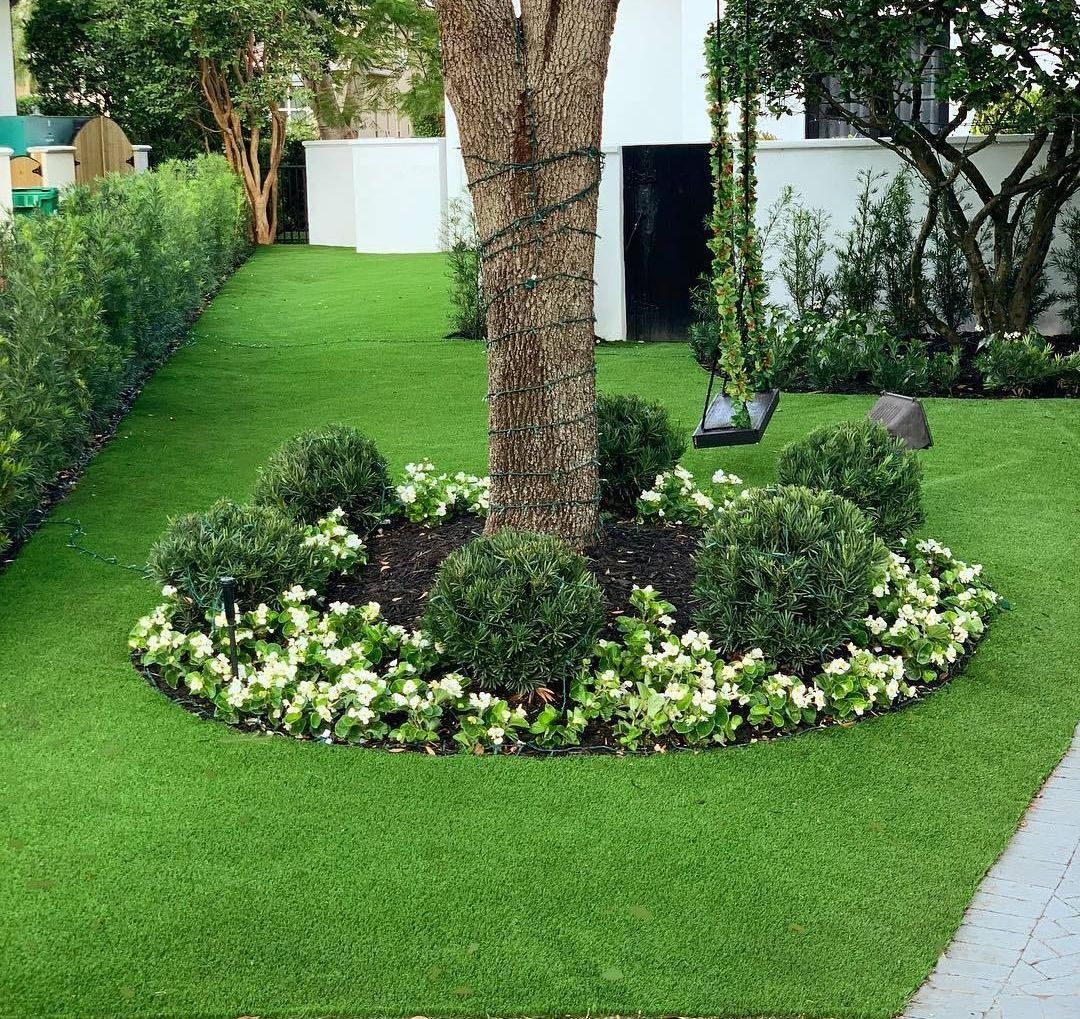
[(242, 150), (528, 94)]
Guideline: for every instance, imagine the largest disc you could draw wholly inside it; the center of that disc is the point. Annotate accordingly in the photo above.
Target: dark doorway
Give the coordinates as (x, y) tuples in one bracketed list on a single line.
[(292, 205), (667, 197)]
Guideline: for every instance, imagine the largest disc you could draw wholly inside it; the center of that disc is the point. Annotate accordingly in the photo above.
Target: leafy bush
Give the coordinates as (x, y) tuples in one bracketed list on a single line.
[(377, 681), (429, 497), (93, 298), (860, 461), (318, 471), (515, 612), (1023, 363), (468, 317), (844, 352), (637, 441), (787, 570), (264, 550), (1066, 260)]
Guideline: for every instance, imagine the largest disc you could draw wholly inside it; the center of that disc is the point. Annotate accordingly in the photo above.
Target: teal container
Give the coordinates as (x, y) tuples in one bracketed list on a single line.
[(20, 133), (29, 200)]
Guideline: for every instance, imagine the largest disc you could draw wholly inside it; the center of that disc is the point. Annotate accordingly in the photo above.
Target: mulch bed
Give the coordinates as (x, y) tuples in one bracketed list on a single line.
[(404, 558)]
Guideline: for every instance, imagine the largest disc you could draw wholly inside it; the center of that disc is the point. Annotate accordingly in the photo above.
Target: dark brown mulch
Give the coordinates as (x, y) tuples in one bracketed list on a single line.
[(404, 558)]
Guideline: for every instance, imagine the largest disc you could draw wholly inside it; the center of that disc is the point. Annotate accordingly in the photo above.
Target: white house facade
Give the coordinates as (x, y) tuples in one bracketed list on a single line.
[(382, 196)]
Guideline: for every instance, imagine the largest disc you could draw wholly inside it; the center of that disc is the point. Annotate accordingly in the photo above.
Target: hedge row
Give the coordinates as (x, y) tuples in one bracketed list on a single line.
[(93, 298)]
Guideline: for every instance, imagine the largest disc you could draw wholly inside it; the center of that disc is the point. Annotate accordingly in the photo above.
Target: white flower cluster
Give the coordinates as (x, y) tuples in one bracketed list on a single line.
[(428, 497), (675, 497), (341, 546), (345, 674)]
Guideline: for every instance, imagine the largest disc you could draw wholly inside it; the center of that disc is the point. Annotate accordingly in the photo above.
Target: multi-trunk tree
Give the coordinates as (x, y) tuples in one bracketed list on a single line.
[(910, 75), (527, 90)]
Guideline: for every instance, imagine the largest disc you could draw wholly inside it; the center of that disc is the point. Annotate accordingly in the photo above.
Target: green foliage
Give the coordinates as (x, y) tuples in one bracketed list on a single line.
[(1066, 260), (94, 298), (862, 462), (1022, 364), (738, 277), (90, 57), (515, 612), (468, 316), (803, 249), (264, 550), (637, 441), (788, 570), (857, 280), (1017, 114), (877, 66), (319, 471)]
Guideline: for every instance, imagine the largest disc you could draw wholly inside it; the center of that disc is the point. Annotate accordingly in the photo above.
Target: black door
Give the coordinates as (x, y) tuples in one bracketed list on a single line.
[(292, 205), (667, 196)]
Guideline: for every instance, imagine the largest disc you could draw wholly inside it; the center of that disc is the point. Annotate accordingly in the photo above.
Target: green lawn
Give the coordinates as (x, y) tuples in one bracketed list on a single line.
[(152, 864)]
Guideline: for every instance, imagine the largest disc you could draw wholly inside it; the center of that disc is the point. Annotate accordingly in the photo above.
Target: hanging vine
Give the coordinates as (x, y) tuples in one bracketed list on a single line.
[(737, 271)]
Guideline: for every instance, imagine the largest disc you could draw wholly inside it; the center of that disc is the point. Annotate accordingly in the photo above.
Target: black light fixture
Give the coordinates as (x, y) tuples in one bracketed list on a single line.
[(905, 418), (228, 597)]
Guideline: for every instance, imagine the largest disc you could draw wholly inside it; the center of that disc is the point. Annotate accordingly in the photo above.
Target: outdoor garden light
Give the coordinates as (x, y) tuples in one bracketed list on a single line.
[(905, 418), (228, 597)]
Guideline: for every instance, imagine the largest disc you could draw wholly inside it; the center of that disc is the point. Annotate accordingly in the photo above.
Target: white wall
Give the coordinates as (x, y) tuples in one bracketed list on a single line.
[(825, 175), (400, 192), (377, 194), (331, 201)]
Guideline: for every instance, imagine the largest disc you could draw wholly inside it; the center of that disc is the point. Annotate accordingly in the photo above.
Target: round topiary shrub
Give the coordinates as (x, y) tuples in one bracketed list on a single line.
[(516, 611), (259, 546), (637, 441), (788, 570), (318, 471), (861, 461)]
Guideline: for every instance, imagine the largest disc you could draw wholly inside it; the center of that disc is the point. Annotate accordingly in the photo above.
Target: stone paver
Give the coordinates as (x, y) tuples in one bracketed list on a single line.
[(1017, 953)]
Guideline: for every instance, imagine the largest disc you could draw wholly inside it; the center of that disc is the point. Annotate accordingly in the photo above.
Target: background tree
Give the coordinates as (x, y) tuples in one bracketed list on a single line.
[(365, 51), (528, 94), (92, 57), (883, 67)]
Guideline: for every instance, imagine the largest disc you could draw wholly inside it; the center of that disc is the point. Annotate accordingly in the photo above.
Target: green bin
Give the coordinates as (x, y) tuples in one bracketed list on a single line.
[(27, 200)]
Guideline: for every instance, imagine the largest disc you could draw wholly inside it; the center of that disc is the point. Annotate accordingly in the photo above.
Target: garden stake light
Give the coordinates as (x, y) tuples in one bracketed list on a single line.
[(228, 597)]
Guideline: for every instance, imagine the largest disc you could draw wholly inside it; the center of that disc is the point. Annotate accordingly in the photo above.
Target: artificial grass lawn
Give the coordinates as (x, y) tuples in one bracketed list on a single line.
[(155, 864)]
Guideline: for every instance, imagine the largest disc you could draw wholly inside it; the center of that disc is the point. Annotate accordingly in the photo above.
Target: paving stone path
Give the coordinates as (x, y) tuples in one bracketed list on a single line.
[(1017, 953)]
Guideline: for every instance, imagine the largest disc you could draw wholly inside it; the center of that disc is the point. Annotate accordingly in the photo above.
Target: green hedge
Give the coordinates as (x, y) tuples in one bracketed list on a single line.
[(92, 298)]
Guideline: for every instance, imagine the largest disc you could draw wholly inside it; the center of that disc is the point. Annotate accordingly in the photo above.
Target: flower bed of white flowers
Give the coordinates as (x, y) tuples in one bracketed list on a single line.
[(342, 673)]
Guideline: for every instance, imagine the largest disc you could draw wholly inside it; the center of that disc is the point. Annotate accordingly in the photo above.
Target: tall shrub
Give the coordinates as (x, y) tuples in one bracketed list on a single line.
[(93, 297)]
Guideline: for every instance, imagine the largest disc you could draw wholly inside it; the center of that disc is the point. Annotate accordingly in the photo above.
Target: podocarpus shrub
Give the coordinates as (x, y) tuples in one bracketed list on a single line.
[(318, 471), (260, 547), (787, 570), (515, 612), (637, 441), (92, 299), (861, 461)]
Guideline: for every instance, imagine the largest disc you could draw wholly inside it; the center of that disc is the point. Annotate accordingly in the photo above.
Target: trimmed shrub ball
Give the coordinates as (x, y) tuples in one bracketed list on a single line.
[(637, 441), (861, 461), (317, 471), (788, 570), (258, 545), (515, 612)]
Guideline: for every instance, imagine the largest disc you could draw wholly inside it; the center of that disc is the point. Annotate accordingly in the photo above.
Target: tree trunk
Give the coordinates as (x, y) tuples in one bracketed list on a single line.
[(528, 94), (242, 150)]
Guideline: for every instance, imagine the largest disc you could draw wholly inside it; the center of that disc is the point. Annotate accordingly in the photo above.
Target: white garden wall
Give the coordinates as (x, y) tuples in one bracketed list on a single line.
[(380, 195)]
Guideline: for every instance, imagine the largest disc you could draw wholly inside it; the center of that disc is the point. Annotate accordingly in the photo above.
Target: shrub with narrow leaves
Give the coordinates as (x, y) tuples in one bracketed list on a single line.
[(637, 441), (318, 471), (787, 570), (515, 611), (263, 549), (861, 461)]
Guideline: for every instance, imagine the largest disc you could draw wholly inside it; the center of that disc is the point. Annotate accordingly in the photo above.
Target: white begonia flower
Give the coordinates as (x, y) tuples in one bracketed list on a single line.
[(168, 591), (496, 734)]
